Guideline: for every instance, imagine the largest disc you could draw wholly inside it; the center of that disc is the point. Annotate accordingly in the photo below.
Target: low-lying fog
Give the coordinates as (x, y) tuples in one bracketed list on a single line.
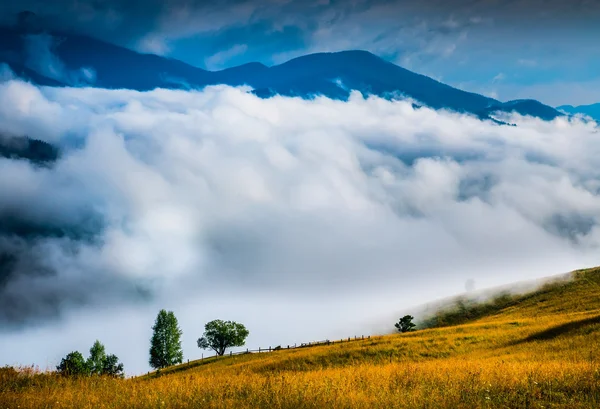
[(304, 220)]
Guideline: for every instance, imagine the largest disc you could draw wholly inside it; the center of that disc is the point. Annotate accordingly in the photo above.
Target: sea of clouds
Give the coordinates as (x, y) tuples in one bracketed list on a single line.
[(304, 219)]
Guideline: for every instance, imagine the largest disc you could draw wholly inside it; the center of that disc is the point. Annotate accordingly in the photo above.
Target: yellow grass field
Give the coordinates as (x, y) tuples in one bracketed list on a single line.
[(540, 350)]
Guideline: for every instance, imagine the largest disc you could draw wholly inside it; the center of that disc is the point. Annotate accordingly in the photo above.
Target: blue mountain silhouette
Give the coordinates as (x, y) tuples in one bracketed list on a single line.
[(593, 111), (333, 75)]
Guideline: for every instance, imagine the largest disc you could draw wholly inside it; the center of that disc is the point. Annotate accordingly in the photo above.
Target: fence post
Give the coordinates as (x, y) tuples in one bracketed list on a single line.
[(202, 359), (258, 349), (230, 353), (247, 350), (188, 361), (348, 339), (288, 347), (269, 349)]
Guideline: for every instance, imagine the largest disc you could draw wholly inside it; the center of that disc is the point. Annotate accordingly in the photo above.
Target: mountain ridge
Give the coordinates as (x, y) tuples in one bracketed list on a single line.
[(591, 110), (76, 60)]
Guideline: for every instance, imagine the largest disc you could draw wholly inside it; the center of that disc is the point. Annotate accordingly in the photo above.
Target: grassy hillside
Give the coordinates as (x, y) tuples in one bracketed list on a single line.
[(538, 350)]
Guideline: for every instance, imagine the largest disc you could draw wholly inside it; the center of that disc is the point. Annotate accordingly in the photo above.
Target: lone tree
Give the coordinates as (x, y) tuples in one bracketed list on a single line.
[(73, 364), (405, 324), (165, 344), (96, 360), (220, 335)]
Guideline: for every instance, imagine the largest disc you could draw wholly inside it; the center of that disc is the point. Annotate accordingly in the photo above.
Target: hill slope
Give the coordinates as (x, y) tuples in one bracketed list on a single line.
[(538, 350), (68, 59)]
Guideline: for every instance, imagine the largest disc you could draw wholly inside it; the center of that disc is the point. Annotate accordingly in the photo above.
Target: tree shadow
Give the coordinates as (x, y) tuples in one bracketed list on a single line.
[(559, 330)]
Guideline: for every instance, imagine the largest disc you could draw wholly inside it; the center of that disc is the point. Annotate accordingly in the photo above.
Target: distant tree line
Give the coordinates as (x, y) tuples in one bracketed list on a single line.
[(165, 347), (24, 148)]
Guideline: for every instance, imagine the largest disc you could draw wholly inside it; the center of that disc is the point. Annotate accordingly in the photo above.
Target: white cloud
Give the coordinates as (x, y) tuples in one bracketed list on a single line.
[(153, 43), (527, 62), (6, 73), (219, 60), (221, 204), (499, 78), (40, 56)]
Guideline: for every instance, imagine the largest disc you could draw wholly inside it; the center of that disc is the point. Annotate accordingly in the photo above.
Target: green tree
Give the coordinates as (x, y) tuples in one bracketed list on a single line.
[(112, 367), (220, 335), (165, 344), (405, 324), (95, 362), (73, 364)]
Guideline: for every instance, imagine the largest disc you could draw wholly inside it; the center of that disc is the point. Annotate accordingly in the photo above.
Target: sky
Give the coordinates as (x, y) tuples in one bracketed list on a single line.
[(303, 219), (541, 49)]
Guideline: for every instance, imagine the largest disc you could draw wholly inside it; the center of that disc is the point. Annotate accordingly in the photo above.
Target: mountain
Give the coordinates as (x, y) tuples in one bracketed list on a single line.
[(24, 148), (593, 111), (66, 59), (524, 107)]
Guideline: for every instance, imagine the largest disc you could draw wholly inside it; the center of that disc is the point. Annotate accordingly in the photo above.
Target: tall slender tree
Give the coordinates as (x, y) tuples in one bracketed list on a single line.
[(96, 360), (165, 344)]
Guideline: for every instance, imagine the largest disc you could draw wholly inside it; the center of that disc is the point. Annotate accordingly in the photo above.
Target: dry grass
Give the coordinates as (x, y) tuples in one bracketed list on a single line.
[(542, 351)]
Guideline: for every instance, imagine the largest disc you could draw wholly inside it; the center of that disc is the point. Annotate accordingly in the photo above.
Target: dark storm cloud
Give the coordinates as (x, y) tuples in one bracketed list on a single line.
[(38, 240), (156, 26)]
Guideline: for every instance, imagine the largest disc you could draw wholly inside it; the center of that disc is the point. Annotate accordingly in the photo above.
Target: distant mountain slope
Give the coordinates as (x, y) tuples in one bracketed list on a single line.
[(67, 59), (363, 71), (24, 148), (592, 111), (524, 107), (572, 293)]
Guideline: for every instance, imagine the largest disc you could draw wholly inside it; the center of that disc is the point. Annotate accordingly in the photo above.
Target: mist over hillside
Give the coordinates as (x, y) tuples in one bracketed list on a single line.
[(281, 207)]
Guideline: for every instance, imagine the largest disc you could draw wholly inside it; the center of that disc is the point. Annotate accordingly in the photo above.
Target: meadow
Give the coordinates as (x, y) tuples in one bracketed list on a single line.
[(536, 350)]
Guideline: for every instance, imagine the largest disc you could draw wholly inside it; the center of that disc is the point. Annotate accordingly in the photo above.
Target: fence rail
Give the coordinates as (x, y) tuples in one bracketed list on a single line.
[(263, 350)]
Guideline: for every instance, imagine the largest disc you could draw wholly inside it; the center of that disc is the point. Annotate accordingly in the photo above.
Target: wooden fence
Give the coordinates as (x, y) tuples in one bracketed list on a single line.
[(262, 350), (280, 348)]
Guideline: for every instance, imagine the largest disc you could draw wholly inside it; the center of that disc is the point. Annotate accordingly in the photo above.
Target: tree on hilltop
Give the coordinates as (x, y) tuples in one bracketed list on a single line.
[(96, 360), (405, 324), (220, 335), (73, 364), (165, 344), (112, 367)]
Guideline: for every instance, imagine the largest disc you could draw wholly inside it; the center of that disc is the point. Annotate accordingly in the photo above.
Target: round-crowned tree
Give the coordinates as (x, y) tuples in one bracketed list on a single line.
[(220, 335), (165, 344), (73, 364), (112, 367)]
